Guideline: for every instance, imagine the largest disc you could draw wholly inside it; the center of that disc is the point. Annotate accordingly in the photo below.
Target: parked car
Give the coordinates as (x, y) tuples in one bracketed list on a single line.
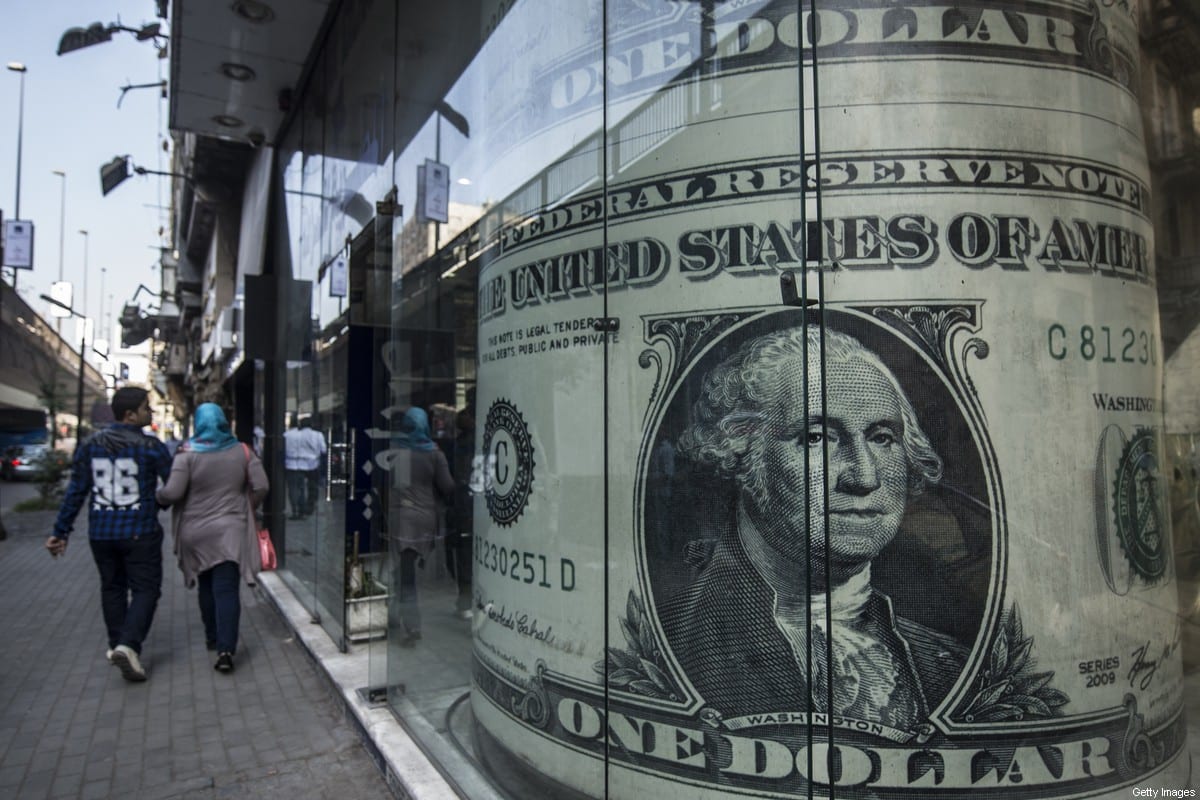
[(21, 461)]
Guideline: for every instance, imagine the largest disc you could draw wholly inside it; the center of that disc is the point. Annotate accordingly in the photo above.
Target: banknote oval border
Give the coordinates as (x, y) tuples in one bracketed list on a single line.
[(924, 346)]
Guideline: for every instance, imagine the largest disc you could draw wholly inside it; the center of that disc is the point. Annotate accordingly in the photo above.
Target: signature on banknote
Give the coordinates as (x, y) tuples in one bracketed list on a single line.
[(1145, 667)]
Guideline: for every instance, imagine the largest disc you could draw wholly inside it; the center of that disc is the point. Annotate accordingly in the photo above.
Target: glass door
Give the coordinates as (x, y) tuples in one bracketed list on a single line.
[(710, 499), (303, 449), (497, 361)]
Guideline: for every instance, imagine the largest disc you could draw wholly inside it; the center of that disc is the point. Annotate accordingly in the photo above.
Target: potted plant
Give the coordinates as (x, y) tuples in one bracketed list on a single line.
[(366, 597)]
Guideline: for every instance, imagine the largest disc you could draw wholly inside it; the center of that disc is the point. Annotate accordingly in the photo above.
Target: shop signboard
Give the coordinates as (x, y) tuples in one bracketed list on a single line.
[(338, 274), (433, 191), (906, 539), (18, 244)]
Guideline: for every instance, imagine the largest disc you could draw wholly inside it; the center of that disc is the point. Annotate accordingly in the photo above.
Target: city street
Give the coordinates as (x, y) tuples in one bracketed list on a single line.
[(71, 727)]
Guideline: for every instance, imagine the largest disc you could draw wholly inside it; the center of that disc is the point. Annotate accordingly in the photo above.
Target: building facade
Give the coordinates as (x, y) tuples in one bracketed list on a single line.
[(797, 370)]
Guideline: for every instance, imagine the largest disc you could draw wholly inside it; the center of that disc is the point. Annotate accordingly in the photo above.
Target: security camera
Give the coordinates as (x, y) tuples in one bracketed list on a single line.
[(256, 138)]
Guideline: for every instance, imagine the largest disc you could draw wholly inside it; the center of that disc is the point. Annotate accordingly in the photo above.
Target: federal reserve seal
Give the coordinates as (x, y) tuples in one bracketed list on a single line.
[(1137, 508), (509, 452)]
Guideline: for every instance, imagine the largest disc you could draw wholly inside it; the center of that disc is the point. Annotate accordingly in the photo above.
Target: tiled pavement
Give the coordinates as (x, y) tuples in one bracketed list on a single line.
[(70, 727)]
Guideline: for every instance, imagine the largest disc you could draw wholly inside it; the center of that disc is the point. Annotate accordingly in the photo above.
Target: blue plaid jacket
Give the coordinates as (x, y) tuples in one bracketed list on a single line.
[(118, 469)]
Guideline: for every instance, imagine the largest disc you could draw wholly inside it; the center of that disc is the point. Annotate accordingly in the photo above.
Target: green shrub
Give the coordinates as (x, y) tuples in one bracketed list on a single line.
[(35, 504), (52, 466)]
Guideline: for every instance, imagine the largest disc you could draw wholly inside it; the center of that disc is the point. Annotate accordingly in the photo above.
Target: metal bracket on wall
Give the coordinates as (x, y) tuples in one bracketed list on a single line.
[(375, 695), (791, 295), (389, 208), (606, 324)]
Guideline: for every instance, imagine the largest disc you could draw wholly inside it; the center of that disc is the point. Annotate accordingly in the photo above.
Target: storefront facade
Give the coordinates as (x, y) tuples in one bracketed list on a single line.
[(798, 371)]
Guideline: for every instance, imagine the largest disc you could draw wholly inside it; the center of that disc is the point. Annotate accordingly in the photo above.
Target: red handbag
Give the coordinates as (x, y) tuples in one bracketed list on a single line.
[(266, 548)]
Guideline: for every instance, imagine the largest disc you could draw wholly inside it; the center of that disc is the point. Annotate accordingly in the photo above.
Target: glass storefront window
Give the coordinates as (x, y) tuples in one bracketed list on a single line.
[(299, 165), (747, 397), (337, 326)]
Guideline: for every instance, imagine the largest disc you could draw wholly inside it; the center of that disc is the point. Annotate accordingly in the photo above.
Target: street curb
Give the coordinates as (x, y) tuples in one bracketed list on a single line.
[(407, 771)]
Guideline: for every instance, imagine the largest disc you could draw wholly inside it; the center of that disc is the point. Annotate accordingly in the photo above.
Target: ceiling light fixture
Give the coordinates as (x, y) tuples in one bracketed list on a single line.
[(227, 121), (237, 72), (253, 10)]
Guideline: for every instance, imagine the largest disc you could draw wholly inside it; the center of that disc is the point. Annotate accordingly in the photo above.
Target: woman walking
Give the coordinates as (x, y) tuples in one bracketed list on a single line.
[(420, 475), (214, 487)]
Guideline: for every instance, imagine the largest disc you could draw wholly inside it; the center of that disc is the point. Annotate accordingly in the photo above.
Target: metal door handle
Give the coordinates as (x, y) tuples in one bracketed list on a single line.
[(347, 451), (343, 448), (350, 460)]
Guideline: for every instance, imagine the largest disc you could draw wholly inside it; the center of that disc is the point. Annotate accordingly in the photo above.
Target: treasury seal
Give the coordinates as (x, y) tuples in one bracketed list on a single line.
[(1137, 508), (509, 452)]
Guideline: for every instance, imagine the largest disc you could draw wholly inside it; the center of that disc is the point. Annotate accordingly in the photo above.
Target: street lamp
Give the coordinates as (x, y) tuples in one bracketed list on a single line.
[(18, 67), (62, 219), (79, 38), (82, 363), (100, 316), (62, 230), (115, 172), (85, 272)]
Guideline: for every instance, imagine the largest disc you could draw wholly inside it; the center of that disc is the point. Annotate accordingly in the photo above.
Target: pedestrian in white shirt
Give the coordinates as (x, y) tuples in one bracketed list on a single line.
[(303, 450)]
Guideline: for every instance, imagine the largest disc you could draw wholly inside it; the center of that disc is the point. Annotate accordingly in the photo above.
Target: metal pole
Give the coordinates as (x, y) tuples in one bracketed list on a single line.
[(62, 220), (62, 231), (16, 66), (99, 328), (79, 399), (85, 280), (20, 136)]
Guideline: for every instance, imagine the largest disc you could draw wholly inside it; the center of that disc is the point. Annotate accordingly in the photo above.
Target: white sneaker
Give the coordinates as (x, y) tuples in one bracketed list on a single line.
[(108, 655), (125, 659)]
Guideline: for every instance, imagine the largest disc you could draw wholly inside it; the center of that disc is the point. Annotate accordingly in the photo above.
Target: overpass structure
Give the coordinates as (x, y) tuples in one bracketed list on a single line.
[(38, 368)]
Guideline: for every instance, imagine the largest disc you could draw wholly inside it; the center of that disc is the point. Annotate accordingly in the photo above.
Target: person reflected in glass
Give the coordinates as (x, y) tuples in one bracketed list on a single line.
[(420, 477), (751, 631), (460, 520), (216, 483), (303, 449)]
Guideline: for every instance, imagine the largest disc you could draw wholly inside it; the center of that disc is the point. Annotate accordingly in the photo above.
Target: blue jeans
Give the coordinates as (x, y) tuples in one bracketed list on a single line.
[(220, 605), (404, 612), (130, 585), (302, 489)]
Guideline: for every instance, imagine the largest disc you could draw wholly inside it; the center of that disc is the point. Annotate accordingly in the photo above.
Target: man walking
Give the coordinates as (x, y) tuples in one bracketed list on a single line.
[(119, 469), (303, 449)]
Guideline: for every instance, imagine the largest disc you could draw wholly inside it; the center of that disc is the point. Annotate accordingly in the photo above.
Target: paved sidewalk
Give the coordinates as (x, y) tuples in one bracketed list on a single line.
[(70, 727)]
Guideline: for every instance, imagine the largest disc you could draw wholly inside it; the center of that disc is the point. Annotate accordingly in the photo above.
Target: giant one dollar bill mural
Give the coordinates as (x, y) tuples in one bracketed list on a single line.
[(822, 446)]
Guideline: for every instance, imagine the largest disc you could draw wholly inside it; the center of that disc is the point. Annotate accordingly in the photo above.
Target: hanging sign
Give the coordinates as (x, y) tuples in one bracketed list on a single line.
[(18, 244), (338, 277), (60, 292), (433, 179)]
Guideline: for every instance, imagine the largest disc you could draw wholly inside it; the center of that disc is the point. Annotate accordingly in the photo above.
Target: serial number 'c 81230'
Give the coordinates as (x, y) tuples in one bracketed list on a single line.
[(1101, 343)]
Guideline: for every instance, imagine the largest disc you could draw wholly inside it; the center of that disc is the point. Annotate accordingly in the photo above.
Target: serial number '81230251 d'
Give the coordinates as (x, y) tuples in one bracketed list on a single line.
[(1102, 343), (525, 567)]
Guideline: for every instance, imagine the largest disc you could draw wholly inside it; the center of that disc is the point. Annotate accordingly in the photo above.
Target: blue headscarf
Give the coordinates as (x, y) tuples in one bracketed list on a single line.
[(212, 430), (414, 431)]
